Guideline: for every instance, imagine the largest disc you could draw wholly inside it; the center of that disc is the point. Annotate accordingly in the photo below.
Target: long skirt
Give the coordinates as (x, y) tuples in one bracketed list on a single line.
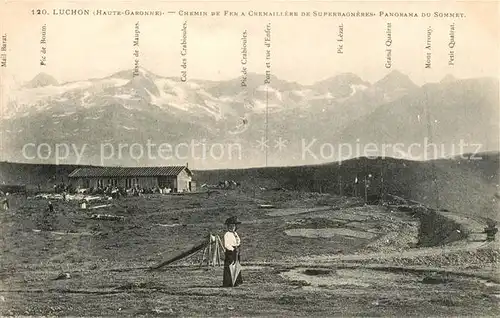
[(227, 280)]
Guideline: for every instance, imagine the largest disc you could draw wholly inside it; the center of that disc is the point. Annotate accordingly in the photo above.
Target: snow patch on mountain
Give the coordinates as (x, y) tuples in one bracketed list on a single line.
[(178, 100), (214, 109), (92, 118), (302, 93), (84, 97), (193, 85), (323, 96), (128, 128), (40, 97), (261, 107), (123, 96), (270, 90), (356, 88), (62, 115), (186, 97)]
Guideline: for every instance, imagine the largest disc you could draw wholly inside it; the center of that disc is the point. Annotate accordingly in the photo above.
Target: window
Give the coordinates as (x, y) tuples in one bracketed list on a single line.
[(129, 183)]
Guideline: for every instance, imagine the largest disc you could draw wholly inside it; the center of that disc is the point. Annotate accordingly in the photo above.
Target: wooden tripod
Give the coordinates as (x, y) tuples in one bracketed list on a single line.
[(213, 251)]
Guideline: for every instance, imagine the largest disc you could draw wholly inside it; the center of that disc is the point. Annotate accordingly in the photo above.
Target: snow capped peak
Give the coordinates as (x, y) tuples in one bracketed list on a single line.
[(140, 89)]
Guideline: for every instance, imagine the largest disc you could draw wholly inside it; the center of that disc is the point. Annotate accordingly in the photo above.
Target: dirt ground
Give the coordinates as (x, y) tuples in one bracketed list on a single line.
[(362, 261)]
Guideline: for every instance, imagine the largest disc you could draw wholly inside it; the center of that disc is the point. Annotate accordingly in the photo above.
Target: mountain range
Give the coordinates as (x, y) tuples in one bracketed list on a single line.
[(304, 124)]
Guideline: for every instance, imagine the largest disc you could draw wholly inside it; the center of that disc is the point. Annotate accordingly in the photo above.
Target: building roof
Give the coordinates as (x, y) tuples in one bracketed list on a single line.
[(112, 172)]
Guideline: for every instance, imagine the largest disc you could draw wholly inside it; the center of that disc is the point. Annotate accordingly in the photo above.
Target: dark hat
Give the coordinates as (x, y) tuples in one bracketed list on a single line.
[(232, 220)]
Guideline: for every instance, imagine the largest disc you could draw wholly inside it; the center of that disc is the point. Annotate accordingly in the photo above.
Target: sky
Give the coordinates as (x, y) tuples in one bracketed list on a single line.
[(303, 49)]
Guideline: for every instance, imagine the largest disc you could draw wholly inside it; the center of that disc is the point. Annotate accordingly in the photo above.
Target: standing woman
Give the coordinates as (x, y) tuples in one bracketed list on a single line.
[(232, 244)]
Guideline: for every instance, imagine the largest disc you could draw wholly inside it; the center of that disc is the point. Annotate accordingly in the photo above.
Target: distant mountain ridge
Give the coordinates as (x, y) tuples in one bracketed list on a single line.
[(121, 108), (467, 185)]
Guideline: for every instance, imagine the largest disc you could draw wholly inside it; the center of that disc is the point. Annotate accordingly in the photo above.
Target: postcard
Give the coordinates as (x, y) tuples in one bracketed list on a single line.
[(249, 158)]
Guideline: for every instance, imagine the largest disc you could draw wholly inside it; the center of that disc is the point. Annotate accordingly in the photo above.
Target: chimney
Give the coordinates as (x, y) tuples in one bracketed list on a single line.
[(187, 165)]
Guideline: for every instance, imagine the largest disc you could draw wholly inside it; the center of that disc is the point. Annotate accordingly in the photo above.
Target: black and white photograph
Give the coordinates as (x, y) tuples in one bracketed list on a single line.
[(249, 159)]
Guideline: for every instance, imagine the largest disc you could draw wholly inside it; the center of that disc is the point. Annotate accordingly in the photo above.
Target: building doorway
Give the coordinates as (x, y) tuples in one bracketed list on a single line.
[(164, 182)]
